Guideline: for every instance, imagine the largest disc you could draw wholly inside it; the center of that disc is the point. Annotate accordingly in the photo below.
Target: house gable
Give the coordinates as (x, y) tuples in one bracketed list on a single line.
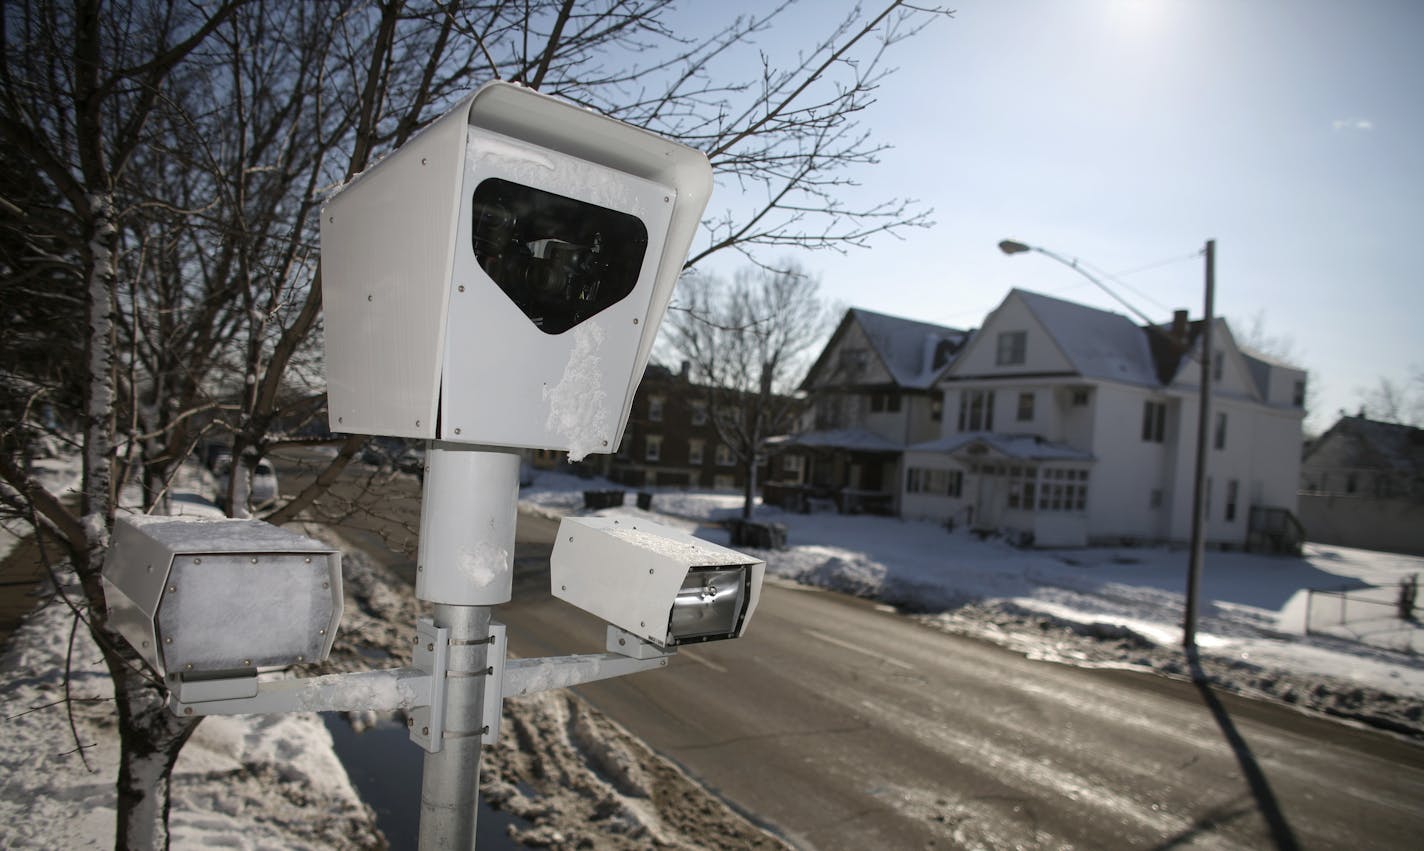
[(870, 349), (1233, 376), (1041, 354)]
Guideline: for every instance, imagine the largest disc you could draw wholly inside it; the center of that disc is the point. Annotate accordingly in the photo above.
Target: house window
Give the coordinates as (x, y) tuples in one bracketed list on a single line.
[(694, 451), (976, 410), (1232, 487), (1063, 490), (1154, 421), (655, 409), (934, 482), (1218, 438), (1080, 397), (884, 403), (1023, 486), (724, 455), (1012, 347), (936, 409), (653, 448), (1298, 397), (723, 482), (1217, 365), (699, 413), (791, 463), (1025, 407)]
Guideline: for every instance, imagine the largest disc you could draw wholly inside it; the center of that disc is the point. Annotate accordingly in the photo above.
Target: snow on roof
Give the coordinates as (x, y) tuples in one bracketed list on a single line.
[(1099, 343), (1029, 447), (856, 439), (907, 346)]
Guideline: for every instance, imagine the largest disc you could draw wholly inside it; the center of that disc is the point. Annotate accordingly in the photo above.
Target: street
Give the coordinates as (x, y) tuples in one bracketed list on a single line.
[(840, 724)]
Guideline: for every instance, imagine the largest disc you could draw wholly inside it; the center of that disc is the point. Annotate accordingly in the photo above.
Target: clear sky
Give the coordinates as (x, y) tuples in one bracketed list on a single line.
[(1127, 133)]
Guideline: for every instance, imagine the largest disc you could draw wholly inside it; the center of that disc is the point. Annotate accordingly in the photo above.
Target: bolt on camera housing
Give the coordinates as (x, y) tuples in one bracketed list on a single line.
[(499, 279), (657, 584), (209, 601)]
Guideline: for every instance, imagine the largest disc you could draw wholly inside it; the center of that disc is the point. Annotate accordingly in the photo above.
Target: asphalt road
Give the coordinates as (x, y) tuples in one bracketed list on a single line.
[(842, 725)]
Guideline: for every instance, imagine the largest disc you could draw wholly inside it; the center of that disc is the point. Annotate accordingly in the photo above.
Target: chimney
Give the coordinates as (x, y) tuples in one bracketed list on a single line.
[(687, 367), (1179, 327)]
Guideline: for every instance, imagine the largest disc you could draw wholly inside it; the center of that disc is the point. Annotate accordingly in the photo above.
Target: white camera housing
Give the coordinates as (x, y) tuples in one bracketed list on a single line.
[(659, 584), (212, 598), (499, 279)]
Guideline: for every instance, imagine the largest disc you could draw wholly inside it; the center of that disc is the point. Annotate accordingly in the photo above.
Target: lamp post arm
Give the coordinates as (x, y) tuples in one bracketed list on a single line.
[(1073, 264)]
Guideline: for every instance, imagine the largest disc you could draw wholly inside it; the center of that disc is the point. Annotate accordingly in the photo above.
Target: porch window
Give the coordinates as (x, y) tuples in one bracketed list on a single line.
[(934, 482), (1012, 348), (976, 410), (1023, 487), (1063, 490)]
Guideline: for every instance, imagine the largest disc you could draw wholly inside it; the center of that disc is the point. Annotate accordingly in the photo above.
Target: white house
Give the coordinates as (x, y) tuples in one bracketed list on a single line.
[(1065, 425), (872, 393)]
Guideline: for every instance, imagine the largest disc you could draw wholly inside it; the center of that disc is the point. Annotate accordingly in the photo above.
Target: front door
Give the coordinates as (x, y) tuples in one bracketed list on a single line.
[(990, 508)]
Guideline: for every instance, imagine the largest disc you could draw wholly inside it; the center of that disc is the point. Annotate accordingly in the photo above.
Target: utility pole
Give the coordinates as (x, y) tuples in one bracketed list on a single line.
[(1189, 621)]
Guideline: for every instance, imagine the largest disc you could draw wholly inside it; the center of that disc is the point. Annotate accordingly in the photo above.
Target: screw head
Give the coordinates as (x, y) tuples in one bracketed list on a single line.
[(430, 647), (187, 710), (461, 288), (424, 731), (165, 641), (410, 722)]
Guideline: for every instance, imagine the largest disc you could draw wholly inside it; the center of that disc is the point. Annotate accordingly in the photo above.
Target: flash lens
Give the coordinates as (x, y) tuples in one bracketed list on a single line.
[(709, 604)]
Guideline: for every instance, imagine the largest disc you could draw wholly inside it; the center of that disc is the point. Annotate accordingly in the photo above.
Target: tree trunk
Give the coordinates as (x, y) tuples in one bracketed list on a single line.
[(150, 738), (749, 496)]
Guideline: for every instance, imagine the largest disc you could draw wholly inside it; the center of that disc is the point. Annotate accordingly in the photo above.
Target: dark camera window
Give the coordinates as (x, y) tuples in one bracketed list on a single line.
[(560, 260)]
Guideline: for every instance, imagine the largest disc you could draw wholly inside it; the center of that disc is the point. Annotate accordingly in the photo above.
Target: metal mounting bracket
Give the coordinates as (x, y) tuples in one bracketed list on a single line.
[(432, 655)]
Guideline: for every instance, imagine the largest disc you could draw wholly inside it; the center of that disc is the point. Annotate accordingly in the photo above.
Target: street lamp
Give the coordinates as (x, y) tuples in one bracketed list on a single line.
[(1189, 618)]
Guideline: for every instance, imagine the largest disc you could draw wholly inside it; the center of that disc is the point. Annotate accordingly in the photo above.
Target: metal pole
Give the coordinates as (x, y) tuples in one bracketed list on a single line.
[(450, 779), (1189, 623), (466, 565)]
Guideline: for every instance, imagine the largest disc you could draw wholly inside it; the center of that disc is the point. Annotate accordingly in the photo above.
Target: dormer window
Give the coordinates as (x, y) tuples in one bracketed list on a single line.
[(1012, 348)]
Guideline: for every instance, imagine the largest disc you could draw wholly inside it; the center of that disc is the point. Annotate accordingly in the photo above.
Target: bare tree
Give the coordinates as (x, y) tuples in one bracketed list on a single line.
[(164, 163), (1393, 401), (749, 342)]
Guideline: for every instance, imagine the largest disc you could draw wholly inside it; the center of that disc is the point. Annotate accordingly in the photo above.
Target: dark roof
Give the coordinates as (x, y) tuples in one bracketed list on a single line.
[(913, 352), (1372, 445)]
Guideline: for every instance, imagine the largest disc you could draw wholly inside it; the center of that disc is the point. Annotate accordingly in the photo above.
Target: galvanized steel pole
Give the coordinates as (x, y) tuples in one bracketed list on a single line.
[(465, 566), (1194, 566)]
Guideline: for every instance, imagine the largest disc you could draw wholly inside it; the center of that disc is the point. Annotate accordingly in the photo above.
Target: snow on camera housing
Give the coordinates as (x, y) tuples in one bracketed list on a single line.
[(499, 279)]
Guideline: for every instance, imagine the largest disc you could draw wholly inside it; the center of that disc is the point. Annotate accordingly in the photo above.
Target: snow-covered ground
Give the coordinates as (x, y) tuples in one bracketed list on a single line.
[(241, 782), (1099, 606), (569, 776)]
